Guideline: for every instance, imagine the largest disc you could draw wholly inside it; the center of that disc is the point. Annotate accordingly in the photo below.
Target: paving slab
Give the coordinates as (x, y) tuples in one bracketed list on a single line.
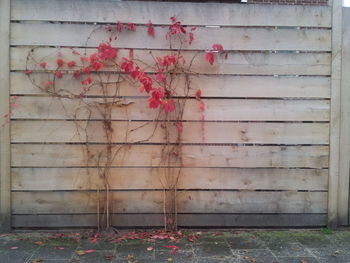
[(256, 255), (263, 246)]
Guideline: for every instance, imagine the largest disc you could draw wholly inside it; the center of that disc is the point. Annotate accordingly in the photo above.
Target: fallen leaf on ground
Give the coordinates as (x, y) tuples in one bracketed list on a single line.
[(253, 260), (38, 243), (59, 248), (149, 248), (37, 261), (13, 247), (173, 247), (84, 252), (109, 258), (130, 257), (169, 259), (246, 257), (303, 261)]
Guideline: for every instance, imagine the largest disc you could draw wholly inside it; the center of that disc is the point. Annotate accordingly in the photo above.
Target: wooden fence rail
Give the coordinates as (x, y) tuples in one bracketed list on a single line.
[(276, 141)]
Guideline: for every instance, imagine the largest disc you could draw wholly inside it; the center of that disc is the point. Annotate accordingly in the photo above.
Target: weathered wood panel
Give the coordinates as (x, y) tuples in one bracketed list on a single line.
[(46, 155), (211, 86), (80, 35), (138, 109), (36, 179), (188, 202), (185, 220), (335, 114), (248, 63), (141, 12), (5, 140), (150, 132), (344, 152), (55, 185)]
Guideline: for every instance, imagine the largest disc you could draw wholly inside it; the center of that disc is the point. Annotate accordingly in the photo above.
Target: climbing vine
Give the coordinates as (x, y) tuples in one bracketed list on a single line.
[(107, 71)]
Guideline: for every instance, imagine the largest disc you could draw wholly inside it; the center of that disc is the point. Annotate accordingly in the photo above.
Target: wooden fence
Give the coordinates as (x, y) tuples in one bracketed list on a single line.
[(276, 149)]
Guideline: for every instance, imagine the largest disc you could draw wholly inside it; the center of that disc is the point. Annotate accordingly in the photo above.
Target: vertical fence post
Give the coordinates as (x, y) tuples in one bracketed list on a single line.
[(5, 178), (334, 153), (344, 162)]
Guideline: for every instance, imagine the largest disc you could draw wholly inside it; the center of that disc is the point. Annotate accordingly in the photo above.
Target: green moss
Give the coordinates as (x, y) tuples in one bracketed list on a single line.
[(326, 231)]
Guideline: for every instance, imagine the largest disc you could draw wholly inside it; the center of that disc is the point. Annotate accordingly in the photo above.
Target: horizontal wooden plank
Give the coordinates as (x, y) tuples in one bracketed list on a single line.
[(230, 86), (150, 132), (188, 202), (107, 11), (63, 155), (234, 63), (184, 220), (32, 179), (82, 35), (138, 109)]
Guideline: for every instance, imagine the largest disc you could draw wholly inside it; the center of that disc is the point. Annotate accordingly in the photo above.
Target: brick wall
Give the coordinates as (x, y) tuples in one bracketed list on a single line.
[(290, 2)]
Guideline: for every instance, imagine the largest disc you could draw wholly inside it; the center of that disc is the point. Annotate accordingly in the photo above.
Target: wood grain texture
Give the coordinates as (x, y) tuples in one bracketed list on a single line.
[(211, 86), (185, 220), (82, 35), (36, 179), (141, 12), (188, 202), (138, 109), (344, 151), (281, 98), (150, 132), (5, 170), (46, 155), (242, 63), (335, 114)]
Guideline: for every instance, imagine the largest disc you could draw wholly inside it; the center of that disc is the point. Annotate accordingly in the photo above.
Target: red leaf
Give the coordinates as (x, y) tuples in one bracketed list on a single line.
[(71, 64), (43, 64), (76, 74), (191, 38), (89, 251), (218, 47), (84, 59), (28, 72), (193, 28), (153, 102), (168, 105), (198, 94), (87, 81), (131, 27), (131, 53), (149, 248), (58, 74), (150, 30), (105, 51), (172, 247), (202, 106), (135, 74), (119, 26), (209, 56), (74, 52), (179, 127), (59, 62), (160, 77), (127, 65), (48, 84)]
